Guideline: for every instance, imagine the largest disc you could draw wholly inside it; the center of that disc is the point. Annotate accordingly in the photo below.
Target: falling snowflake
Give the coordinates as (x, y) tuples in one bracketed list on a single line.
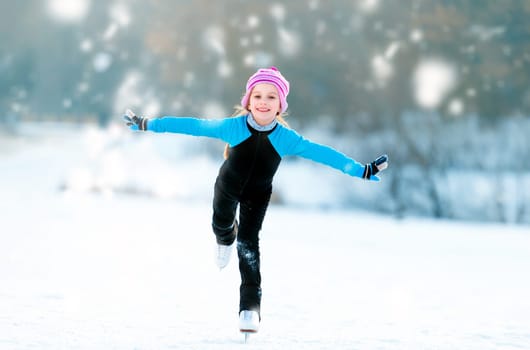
[(102, 62), (68, 10), (416, 35), (213, 39), (253, 21), (456, 107), (278, 12), (433, 80), (289, 42)]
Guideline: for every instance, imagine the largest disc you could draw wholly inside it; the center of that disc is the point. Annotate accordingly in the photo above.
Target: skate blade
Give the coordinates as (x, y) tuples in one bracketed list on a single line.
[(247, 333)]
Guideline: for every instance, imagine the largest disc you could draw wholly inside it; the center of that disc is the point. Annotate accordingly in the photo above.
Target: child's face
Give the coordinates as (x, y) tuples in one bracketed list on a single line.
[(264, 103)]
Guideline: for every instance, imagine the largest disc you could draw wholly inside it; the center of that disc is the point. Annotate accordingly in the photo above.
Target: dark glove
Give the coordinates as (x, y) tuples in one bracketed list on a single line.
[(134, 122), (376, 166)]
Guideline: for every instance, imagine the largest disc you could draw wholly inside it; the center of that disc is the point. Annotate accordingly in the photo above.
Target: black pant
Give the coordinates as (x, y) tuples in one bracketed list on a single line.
[(252, 207)]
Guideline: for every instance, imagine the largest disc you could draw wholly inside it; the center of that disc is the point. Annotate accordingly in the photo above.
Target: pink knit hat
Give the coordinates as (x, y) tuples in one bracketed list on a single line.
[(268, 76)]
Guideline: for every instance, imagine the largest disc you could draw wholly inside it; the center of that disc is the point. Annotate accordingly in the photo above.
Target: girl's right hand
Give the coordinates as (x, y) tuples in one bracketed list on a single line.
[(135, 122)]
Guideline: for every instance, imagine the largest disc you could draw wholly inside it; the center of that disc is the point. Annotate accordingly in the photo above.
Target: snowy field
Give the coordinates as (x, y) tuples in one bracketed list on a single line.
[(85, 269)]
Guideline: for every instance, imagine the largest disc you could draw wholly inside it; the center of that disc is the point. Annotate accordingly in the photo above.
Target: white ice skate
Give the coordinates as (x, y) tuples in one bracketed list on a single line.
[(223, 254), (248, 322)]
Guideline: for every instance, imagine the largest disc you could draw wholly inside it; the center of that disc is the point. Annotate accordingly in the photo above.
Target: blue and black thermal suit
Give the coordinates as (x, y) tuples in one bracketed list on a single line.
[(245, 179)]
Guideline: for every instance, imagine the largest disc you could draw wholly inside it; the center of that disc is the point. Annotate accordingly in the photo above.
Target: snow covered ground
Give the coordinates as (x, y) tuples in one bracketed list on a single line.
[(86, 269)]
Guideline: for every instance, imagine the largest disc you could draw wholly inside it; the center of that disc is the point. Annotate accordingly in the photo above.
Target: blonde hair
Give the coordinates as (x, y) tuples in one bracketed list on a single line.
[(242, 111)]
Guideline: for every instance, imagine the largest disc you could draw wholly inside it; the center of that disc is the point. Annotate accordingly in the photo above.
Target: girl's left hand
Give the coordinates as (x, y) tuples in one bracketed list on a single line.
[(371, 169)]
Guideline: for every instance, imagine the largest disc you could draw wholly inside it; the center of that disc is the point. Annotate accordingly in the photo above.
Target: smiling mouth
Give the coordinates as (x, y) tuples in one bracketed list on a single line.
[(263, 109)]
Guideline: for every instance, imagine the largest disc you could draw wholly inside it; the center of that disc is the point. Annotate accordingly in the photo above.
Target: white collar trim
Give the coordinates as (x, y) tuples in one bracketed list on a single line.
[(256, 126)]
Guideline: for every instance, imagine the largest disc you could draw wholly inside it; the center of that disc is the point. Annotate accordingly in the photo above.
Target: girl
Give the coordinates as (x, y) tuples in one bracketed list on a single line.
[(257, 139)]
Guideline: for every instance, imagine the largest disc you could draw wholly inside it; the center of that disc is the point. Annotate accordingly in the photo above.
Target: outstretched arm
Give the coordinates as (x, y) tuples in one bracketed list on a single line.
[(226, 129), (288, 142)]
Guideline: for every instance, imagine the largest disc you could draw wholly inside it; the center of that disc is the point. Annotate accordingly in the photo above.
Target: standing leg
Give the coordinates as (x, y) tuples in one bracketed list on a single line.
[(224, 214), (252, 213)]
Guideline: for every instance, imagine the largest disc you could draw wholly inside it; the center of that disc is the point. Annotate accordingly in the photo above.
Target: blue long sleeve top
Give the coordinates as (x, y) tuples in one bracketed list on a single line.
[(251, 148)]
